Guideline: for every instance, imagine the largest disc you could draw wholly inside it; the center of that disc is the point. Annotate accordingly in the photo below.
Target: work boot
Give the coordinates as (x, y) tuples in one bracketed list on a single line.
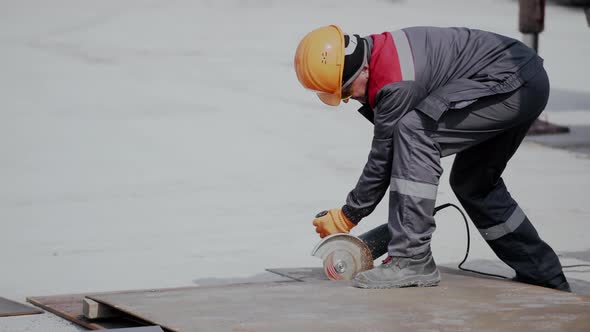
[(398, 272)]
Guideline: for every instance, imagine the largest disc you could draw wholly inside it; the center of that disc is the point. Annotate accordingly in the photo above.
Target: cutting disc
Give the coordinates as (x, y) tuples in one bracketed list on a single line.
[(343, 256)]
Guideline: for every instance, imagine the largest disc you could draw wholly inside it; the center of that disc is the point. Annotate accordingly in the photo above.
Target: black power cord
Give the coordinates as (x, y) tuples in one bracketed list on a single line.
[(460, 266)]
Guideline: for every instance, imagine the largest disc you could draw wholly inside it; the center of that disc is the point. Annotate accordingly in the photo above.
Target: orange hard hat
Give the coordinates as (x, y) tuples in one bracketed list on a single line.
[(319, 63)]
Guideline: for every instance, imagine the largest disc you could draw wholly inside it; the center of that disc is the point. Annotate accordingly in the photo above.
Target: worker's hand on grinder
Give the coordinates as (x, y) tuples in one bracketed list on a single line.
[(330, 222)]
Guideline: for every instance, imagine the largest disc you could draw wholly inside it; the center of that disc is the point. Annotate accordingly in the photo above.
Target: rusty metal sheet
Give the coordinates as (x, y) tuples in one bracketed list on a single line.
[(69, 306), (12, 308), (458, 303)]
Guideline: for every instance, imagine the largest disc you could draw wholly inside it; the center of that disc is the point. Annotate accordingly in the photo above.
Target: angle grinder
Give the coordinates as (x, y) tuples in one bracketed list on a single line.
[(345, 255)]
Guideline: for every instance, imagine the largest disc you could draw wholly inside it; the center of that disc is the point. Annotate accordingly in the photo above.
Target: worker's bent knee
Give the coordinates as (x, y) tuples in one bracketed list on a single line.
[(467, 183)]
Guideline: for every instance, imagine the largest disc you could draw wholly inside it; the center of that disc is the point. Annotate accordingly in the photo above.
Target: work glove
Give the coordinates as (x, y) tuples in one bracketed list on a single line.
[(330, 222)]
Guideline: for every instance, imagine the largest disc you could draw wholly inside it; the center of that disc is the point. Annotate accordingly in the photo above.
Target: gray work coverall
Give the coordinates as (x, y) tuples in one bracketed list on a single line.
[(473, 94)]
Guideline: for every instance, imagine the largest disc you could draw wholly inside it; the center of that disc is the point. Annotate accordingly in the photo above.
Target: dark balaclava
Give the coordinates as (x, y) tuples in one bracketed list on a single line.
[(355, 56)]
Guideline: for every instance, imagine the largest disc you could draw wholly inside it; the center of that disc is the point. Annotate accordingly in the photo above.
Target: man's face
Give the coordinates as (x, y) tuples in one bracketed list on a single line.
[(358, 88)]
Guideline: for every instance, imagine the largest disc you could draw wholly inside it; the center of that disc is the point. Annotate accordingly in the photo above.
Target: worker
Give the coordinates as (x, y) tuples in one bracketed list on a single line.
[(430, 93)]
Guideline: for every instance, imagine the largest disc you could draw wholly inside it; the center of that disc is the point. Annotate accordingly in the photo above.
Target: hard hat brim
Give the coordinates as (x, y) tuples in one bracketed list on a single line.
[(331, 99)]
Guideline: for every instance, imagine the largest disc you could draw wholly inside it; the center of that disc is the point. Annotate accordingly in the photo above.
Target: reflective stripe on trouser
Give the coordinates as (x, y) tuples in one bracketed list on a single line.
[(510, 225)]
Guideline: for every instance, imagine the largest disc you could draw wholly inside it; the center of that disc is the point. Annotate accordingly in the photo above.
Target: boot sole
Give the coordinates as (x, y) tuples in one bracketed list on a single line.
[(430, 280)]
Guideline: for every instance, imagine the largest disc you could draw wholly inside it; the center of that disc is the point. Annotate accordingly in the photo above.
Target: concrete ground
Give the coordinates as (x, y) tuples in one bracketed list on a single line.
[(146, 144)]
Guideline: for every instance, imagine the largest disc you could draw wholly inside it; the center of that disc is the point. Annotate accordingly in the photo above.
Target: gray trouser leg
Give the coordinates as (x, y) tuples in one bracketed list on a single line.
[(414, 182), (484, 136)]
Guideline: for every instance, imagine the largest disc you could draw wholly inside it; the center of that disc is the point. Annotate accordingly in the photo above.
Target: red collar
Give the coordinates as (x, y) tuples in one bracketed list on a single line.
[(384, 66)]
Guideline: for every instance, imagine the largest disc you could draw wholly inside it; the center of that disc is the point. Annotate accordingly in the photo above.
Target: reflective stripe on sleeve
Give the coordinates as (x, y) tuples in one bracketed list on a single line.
[(411, 188), (497, 231)]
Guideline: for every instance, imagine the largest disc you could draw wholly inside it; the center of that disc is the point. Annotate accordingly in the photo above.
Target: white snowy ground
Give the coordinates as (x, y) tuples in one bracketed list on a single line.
[(146, 144)]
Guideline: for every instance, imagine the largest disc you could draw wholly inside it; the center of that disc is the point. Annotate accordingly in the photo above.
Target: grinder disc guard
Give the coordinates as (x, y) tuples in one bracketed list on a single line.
[(343, 256)]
